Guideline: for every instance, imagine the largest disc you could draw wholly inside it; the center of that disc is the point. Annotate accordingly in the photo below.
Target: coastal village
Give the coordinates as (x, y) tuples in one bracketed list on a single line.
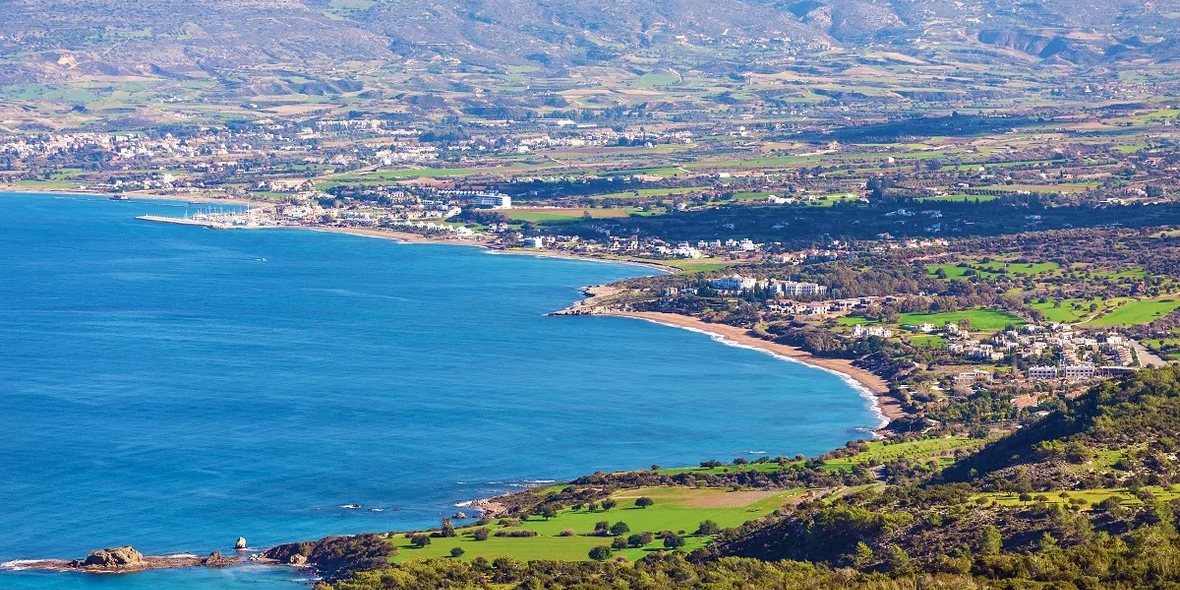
[(1018, 352), (962, 216)]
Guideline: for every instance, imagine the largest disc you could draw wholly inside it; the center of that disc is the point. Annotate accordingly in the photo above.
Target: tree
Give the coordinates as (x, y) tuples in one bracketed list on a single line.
[(419, 541), (600, 553), (609, 503), (457, 552), (990, 540), (708, 527), (1048, 543), (618, 543), (640, 539), (864, 555), (897, 561), (619, 528), (644, 502), (601, 527), (480, 534), (673, 541), (448, 528)]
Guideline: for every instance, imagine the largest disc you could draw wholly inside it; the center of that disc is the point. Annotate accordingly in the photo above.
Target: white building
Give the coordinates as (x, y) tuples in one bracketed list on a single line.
[(735, 283), (860, 331), (1042, 372), (492, 200), (1080, 371), (793, 289)]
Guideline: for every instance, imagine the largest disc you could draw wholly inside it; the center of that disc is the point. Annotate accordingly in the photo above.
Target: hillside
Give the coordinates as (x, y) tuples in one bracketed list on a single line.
[(1097, 472), (271, 47), (922, 528), (1118, 434)]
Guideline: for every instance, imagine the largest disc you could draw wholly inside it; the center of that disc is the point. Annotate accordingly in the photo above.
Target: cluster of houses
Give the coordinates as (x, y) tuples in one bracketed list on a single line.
[(863, 331), (1076, 356), (1076, 353), (737, 284)]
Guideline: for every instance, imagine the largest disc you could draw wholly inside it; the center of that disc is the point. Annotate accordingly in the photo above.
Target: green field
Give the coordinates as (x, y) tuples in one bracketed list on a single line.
[(953, 272), (1136, 313), (695, 265), (918, 450), (1129, 273), (1018, 268), (989, 320), (653, 79), (928, 340), (679, 510), (956, 271), (1070, 310)]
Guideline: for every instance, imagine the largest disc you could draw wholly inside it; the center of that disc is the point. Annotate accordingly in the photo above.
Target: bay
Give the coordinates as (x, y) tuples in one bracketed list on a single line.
[(173, 387)]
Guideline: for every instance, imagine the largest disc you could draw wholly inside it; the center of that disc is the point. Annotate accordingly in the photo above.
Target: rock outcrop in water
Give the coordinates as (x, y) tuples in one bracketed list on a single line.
[(127, 559)]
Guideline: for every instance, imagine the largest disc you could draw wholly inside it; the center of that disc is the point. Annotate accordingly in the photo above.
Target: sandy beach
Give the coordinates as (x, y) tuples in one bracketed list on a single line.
[(572, 256), (883, 403), (386, 234)]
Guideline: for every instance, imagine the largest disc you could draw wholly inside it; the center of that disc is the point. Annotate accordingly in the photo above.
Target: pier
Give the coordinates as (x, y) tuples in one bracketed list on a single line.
[(249, 219)]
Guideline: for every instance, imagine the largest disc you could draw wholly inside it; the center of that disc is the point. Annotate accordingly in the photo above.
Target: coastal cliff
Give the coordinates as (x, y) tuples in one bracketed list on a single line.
[(334, 557)]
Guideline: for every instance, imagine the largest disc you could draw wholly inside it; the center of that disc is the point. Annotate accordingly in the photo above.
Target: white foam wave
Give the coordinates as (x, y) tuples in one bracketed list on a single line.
[(19, 564)]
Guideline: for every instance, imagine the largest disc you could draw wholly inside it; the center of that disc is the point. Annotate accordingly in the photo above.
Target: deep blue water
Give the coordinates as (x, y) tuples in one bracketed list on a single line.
[(174, 387)]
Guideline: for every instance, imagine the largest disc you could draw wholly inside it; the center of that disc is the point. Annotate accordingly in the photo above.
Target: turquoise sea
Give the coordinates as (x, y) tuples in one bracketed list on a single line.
[(174, 387)]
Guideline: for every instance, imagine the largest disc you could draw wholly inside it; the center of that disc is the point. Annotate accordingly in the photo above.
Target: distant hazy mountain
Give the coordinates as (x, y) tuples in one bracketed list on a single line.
[(251, 42)]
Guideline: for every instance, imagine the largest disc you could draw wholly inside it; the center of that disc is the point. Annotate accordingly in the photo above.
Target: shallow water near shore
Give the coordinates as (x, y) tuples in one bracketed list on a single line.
[(173, 387)]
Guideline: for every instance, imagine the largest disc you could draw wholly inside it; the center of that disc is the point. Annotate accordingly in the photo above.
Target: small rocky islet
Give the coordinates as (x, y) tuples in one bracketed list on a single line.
[(128, 559), (331, 557)]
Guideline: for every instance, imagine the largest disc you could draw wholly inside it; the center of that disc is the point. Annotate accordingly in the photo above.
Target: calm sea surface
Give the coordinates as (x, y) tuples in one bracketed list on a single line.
[(174, 387)]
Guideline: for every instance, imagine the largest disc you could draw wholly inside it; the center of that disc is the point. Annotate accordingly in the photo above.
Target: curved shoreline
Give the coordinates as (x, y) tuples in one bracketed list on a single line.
[(869, 386), (872, 388), (411, 238)]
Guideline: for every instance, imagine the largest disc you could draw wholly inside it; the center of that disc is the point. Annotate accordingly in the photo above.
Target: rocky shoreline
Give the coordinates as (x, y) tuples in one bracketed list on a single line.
[(127, 559), (330, 558)]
